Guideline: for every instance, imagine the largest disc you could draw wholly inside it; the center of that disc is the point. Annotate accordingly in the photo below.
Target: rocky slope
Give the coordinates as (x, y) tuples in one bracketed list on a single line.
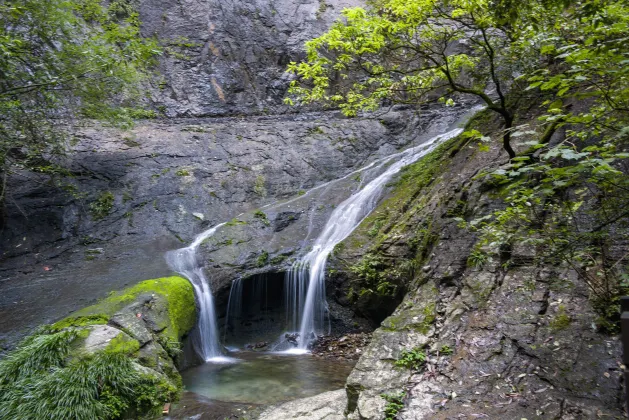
[(498, 340)]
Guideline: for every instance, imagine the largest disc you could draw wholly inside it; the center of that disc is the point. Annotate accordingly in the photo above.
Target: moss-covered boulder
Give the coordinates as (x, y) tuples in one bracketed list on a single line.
[(115, 359)]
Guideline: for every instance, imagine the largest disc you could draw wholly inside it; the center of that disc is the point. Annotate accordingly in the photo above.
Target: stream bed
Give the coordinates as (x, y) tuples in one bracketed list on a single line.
[(266, 378)]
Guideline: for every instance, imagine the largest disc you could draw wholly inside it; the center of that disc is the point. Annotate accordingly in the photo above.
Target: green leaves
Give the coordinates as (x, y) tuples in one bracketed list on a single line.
[(398, 51), (60, 59)]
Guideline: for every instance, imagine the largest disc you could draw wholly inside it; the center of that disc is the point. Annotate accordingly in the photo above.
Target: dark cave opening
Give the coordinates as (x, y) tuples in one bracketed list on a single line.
[(256, 310)]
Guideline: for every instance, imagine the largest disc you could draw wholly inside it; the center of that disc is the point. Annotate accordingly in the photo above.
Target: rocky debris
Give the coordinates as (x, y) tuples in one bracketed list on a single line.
[(292, 338), (348, 347), (262, 345)]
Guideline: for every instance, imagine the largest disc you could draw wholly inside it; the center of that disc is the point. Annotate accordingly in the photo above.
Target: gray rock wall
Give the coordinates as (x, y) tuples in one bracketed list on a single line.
[(226, 57), (167, 181)]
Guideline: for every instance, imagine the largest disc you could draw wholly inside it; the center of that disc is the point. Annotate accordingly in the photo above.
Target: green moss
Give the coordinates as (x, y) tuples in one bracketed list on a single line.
[(123, 344), (102, 206), (338, 249), (561, 320), (81, 321), (315, 130), (418, 319), (409, 195), (235, 222), (263, 259), (182, 172), (260, 215), (177, 292), (278, 260), (258, 186)]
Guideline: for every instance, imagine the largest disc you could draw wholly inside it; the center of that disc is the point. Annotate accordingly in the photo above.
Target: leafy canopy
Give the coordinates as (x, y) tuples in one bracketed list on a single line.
[(60, 59), (567, 192)]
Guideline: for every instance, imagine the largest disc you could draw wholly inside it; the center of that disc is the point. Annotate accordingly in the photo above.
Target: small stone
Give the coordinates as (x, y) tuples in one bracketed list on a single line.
[(199, 216), (426, 268)]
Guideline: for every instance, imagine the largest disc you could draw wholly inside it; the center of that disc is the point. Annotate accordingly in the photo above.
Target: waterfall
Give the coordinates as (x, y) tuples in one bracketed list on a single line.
[(184, 261), (305, 282), (234, 306)]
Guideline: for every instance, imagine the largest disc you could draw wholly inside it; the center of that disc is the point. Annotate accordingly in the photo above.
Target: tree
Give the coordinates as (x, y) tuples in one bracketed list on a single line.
[(420, 51), (570, 198), (568, 195), (61, 59)]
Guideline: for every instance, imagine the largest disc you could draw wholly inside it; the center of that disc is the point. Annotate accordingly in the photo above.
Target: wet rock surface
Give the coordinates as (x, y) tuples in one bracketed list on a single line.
[(64, 241)]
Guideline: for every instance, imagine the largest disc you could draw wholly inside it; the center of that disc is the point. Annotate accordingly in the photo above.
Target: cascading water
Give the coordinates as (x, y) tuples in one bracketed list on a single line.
[(305, 282), (185, 262)]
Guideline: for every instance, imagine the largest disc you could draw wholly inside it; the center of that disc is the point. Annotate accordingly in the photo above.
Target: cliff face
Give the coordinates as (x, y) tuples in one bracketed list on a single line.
[(129, 196), (132, 195), (503, 339), (228, 57)]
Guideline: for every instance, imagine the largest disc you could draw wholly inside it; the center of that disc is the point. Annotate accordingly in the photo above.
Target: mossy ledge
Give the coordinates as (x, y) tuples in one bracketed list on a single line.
[(112, 360)]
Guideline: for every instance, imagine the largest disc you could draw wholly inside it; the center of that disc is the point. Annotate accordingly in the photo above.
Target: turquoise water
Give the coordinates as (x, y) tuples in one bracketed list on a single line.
[(266, 378)]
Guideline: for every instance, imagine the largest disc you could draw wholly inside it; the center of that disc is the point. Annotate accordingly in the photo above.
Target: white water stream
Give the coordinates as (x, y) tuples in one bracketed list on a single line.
[(305, 282), (185, 262)]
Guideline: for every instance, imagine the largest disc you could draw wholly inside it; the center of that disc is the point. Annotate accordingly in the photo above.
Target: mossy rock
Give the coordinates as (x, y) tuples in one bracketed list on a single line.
[(111, 360), (176, 294)]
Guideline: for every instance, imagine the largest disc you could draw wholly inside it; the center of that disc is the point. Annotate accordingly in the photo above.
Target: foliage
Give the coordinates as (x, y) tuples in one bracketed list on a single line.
[(60, 59), (446, 350), (260, 215), (402, 52), (102, 206), (566, 194), (39, 380), (395, 403), (477, 258), (411, 359), (374, 276)]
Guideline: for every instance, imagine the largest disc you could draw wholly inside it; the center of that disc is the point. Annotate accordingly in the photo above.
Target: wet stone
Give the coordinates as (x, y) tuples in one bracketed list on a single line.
[(133, 325)]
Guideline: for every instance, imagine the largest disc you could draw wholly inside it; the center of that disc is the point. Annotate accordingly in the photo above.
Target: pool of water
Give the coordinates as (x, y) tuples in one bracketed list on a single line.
[(266, 378)]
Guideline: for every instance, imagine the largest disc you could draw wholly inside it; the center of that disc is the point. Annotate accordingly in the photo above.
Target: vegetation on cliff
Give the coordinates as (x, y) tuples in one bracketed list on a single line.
[(565, 185)]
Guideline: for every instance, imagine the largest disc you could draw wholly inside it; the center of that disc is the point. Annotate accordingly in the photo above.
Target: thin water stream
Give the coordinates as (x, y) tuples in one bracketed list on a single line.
[(305, 282), (185, 262)]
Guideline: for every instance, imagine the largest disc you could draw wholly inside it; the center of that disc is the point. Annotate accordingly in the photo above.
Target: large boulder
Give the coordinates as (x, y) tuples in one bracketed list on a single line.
[(115, 359)]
